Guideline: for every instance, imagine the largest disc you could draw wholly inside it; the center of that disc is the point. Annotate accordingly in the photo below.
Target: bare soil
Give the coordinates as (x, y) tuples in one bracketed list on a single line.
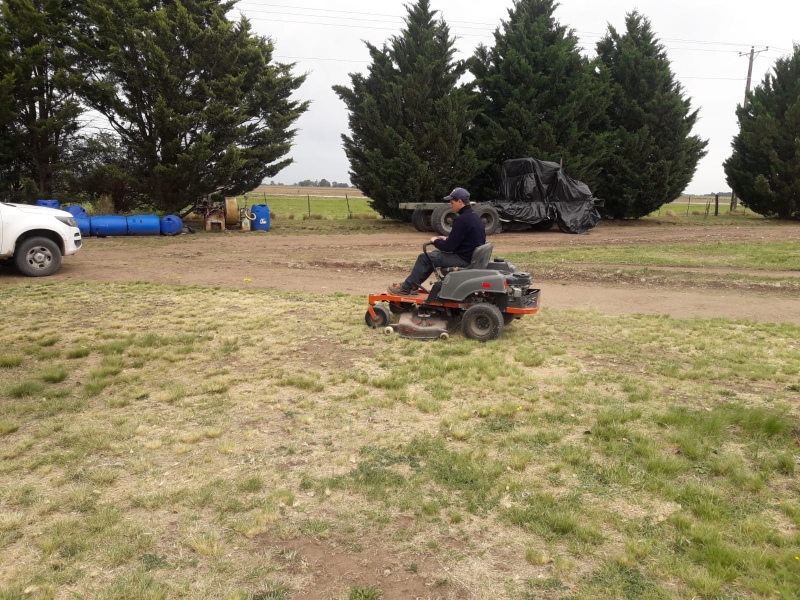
[(360, 264)]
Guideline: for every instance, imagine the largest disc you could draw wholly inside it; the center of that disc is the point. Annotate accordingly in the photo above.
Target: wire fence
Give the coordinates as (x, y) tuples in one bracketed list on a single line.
[(311, 207)]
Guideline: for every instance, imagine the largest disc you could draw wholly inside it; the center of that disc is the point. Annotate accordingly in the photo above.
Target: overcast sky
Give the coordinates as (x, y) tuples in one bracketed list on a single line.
[(708, 44)]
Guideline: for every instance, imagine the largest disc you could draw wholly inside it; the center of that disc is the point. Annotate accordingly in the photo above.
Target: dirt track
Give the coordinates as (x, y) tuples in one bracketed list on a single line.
[(362, 263)]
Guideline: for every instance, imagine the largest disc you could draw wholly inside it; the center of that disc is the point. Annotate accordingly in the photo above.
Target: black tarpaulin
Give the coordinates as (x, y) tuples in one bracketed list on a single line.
[(535, 191)]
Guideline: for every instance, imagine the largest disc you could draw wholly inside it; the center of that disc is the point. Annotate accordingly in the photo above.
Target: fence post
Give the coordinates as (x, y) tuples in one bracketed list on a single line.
[(349, 212), (716, 205), (309, 205), (688, 206)]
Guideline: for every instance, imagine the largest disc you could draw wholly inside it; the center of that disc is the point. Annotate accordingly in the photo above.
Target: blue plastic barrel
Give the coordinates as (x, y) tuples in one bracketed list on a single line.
[(49, 203), (261, 222), (144, 225), (84, 225), (106, 225), (76, 210), (171, 225)]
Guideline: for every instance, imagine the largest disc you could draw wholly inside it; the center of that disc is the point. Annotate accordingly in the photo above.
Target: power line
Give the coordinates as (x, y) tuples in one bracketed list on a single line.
[(349, 12), (493, 26)]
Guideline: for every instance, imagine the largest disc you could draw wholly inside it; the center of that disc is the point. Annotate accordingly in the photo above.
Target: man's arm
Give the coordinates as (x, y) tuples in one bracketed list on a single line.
[(452, 241)]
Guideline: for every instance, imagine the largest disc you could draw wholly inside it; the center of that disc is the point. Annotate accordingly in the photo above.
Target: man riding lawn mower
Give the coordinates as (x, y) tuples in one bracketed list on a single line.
[(471, 289)]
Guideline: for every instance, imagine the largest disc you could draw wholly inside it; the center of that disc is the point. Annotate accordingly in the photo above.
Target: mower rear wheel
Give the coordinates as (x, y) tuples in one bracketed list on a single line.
[(482, 322), (382, 317)]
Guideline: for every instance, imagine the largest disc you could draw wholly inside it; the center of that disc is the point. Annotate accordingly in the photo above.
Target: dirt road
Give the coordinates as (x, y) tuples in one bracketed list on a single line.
[(362, 263)]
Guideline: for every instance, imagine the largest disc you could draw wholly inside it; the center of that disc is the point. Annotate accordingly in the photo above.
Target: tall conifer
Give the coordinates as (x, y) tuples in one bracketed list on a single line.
[(538, 97), (408, 117), (38, 110), (652, 155), (196, 99), (764, 169)]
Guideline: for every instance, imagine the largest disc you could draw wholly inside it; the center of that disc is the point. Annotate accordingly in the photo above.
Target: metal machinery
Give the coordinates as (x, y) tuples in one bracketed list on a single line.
[(480, 299)]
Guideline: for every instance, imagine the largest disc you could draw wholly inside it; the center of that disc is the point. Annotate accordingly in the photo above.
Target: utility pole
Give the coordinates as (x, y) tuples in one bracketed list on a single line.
[(749, 75), (753, 53)]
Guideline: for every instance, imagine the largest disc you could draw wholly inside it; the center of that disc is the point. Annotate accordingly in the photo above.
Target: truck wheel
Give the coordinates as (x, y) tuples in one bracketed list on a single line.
[(490, 218), (422, 220), (442, 219), (482, 322), (37, 257)]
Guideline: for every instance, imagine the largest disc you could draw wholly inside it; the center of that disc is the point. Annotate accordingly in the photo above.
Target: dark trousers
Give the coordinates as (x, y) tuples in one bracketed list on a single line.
[(425, 264)]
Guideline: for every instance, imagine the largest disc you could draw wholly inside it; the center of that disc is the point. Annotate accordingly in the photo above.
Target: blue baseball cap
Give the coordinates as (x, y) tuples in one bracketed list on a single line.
[(458, 194)]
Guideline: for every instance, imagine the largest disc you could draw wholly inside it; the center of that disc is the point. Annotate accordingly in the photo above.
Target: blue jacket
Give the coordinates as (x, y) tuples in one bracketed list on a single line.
[(468, 233)]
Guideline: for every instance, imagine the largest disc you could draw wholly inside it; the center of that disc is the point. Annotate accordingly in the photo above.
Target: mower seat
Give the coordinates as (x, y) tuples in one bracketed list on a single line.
[(480, 258)]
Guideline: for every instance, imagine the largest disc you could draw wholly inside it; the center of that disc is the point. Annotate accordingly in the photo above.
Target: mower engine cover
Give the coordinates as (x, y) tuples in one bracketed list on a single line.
[(460, 284)]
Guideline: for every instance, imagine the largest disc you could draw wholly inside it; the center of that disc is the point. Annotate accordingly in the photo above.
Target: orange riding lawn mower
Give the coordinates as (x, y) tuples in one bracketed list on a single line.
[(480, 299)]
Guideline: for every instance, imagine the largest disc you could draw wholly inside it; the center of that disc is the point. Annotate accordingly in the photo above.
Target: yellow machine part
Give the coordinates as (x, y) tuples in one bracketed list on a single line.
[(231, 211)]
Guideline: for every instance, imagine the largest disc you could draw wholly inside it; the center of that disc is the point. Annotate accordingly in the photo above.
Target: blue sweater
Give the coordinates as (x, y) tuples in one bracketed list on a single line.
[(468, 233)]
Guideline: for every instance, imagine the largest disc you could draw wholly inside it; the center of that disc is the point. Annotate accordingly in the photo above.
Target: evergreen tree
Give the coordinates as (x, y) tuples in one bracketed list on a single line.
[(196, 98), (764, 169), (538, 97), (408, 117), (653, 157), (38, 113), (99, 166)]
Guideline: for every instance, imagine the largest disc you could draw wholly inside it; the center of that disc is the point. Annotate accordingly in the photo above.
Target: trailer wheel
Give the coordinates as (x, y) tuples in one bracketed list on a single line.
[(482, 322), (381, 319), (490, 218), (422, 220), (442, 219), (545, 225)]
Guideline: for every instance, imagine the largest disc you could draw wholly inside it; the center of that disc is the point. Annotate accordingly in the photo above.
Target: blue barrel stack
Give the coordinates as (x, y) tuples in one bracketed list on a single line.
[(171, 225), (48, 203), (108, 225), (144, 225), (117, 225)]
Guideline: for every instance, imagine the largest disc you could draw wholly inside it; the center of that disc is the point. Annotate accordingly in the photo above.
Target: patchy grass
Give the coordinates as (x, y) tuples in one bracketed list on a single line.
[(151, 453), (772, 256)]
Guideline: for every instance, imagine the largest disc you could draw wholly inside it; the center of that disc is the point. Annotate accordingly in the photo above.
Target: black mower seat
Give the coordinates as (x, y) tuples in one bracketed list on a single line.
[(480, 258)]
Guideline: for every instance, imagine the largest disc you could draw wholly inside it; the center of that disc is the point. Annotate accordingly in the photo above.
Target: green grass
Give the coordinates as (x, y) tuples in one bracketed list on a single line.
[(636, 457), (768, 256), (312, 207)]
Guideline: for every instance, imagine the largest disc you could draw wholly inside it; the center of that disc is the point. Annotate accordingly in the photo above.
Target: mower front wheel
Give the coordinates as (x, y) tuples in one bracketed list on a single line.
[(381, 319), (482, 322)]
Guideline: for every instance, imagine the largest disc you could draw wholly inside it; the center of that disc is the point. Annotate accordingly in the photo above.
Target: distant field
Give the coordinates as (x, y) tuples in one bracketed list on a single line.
[(697, 206), (295, 190)]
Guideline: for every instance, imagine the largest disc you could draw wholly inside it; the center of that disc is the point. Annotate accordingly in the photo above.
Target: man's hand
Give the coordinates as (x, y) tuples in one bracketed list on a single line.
[(439, 237)]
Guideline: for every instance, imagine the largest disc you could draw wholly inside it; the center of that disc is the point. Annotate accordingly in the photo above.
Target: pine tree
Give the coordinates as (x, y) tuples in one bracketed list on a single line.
[(764, 169), (408, 117), (653, 157), (538, 97), (38, 111), (196, 98)]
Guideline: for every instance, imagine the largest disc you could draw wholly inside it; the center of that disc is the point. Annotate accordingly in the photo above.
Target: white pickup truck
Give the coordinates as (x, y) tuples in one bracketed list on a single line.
[(37, 237)]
